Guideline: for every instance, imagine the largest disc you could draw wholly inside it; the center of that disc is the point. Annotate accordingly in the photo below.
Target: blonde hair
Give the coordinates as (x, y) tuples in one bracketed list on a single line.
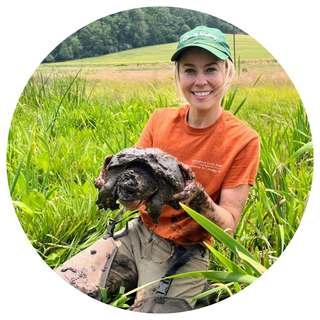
[(228, 70)]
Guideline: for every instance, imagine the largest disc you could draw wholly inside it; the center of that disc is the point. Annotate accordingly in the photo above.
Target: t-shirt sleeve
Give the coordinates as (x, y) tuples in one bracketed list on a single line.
[(146, 137), (243, 169)]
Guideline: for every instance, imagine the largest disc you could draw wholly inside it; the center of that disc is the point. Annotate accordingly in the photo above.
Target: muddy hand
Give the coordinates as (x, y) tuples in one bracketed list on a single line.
[(193, 189), (100, 181)]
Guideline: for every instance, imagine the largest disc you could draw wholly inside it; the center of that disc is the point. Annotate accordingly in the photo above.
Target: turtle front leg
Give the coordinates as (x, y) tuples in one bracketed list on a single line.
[(154, 207)]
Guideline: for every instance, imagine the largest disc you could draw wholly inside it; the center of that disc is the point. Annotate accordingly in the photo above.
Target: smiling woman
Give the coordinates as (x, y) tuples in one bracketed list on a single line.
[(202, 79), (203, 72), (225, 149)]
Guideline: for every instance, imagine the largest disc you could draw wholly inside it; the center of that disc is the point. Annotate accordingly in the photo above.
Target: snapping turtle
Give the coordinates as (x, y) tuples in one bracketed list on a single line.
[(148, 174)]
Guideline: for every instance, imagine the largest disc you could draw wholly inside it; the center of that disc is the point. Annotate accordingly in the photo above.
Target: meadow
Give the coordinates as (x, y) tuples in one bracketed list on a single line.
[(71, 115)]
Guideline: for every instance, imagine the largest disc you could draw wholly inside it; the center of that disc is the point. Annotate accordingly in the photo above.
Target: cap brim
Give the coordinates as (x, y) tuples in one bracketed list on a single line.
[(211, 49)]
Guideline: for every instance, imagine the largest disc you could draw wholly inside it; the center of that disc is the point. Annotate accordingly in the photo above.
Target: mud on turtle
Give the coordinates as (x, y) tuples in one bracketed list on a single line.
[(148, 174)]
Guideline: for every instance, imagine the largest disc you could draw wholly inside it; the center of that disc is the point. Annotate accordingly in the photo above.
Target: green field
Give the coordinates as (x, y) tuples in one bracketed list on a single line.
[(70, 115), (246, 47)]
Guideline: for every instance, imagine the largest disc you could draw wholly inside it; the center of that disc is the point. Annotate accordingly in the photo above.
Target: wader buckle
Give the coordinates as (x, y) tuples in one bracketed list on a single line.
[(162, 290)]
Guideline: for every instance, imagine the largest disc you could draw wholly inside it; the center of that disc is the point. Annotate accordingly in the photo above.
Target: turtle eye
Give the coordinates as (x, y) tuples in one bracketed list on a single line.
[(125, 194)]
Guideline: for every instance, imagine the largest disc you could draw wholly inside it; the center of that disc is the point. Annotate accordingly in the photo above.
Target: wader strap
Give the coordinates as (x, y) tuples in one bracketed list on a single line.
[(181, 256), (114, 222), (112, 248)]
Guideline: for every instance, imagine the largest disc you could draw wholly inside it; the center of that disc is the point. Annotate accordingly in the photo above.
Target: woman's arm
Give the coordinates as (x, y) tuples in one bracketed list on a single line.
[(226, 214)]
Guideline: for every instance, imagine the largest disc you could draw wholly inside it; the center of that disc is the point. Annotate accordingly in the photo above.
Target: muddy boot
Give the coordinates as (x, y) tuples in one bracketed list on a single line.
[(89, 269)]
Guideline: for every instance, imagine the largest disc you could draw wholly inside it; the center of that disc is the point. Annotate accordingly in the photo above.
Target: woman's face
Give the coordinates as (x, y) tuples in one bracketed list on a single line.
[(201, 77)]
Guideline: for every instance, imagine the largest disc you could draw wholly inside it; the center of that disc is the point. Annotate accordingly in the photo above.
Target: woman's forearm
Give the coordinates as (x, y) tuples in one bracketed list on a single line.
[(203, 204)]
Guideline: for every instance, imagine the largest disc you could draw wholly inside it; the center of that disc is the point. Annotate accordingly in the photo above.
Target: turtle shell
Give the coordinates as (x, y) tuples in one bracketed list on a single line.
[(162, 164)]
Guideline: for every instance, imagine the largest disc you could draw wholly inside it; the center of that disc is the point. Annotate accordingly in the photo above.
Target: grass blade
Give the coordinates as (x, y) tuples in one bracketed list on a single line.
[(217, 232), (217, 276), (14, 182), (219, 287), (52, 123), (299, 152), (259, 269), (232, 267)]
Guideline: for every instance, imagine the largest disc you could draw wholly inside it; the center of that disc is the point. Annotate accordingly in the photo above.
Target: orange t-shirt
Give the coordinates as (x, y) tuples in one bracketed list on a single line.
[(222, 156)]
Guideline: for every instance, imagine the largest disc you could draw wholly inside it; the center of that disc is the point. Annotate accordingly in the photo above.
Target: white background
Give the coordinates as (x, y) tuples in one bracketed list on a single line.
[(30, 30)]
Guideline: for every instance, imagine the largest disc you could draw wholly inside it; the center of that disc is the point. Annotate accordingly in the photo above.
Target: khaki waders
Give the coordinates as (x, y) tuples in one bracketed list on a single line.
[(134, 258)]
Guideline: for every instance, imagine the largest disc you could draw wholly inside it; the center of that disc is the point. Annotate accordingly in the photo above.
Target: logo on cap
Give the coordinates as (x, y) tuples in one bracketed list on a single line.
[(201, 34)]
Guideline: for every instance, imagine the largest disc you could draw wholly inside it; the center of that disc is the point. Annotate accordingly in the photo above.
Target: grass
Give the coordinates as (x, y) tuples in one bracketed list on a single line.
[(68, 118)]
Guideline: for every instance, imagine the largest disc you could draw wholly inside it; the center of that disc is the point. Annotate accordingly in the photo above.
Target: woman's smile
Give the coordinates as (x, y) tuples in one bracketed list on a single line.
[(201, 94)]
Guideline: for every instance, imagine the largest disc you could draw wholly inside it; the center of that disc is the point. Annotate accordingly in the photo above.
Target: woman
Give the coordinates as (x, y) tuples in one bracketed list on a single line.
[(219, 155)]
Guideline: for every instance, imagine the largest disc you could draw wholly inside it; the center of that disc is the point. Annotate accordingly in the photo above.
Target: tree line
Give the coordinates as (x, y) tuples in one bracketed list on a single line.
[(133, 29)]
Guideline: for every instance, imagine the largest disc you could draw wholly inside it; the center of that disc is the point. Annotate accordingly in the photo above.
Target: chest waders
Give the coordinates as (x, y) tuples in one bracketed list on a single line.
[(88, 271), (160, 303)]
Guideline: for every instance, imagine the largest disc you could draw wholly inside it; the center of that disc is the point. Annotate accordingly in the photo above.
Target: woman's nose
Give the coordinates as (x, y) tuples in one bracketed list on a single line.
[(200, 79)]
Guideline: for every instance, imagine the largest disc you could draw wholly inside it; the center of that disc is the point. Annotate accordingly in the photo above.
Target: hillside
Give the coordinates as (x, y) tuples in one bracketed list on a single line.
[(246, 47), (136, 28)]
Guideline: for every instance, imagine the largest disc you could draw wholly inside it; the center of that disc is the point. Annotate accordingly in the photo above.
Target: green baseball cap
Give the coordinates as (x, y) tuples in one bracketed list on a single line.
[(210, 39)]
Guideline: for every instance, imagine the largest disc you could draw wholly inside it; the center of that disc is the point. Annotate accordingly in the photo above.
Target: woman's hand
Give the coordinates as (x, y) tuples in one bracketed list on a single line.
[(100, 181), (226, 214), (193, 195)]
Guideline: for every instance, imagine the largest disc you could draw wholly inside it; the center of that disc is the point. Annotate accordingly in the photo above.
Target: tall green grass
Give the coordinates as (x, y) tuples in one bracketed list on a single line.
[(62, 130)]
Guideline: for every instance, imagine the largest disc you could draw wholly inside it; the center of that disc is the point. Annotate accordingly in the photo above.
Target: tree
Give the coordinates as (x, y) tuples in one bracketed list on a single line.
[(65, 52), (132, 29), (76, 47)]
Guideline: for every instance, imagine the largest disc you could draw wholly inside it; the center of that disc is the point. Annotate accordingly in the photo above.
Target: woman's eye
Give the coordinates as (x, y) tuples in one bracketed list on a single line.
[(189, 71), (210, 70)]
